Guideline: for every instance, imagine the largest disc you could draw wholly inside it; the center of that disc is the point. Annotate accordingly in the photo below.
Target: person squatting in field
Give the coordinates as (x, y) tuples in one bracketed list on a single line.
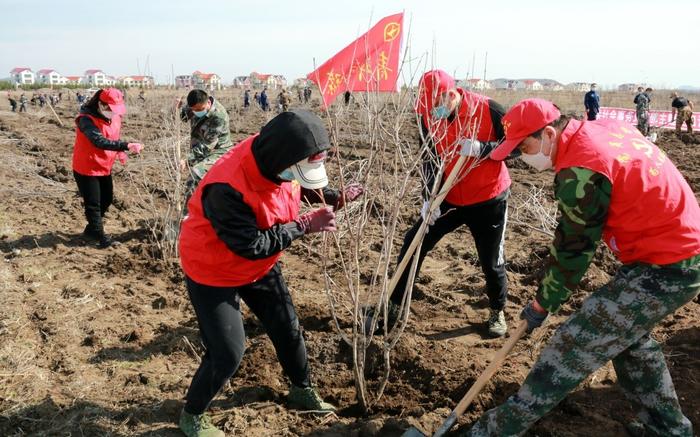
[(97, 146), (682, 112), (453, 121), (210, 137), (242, 215), (610, 182)]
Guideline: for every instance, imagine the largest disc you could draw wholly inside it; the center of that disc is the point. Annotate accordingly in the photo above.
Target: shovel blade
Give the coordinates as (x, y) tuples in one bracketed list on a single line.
[(413, 432)]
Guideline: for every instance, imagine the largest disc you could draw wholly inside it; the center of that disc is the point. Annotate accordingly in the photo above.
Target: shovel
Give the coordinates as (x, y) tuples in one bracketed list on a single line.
[(417, 239), (478, 385)]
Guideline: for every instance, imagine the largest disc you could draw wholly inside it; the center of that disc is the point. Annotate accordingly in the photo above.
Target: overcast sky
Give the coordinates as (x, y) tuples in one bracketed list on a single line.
[(609, 42)]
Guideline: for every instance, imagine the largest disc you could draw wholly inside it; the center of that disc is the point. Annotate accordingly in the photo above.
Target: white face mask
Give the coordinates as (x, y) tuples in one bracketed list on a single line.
[(108, 114), (539, 161)]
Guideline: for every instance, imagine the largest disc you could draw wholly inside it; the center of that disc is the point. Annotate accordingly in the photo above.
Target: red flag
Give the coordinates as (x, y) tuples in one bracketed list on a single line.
[(370, 63)]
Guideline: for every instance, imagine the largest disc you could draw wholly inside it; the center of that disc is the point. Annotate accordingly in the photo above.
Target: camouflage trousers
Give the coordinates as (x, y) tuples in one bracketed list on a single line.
[(643, 121), (684, 116), (614, 324)]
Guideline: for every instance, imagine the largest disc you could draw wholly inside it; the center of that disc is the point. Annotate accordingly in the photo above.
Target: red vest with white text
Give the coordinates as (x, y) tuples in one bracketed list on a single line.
[(473, 120), (204, 257), (653, 216), (89, 160)]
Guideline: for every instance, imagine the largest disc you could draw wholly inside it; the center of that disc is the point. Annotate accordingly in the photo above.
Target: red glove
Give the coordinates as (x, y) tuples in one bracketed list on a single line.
[(319, 220), (135, 148), (122, 157), (350, 193)]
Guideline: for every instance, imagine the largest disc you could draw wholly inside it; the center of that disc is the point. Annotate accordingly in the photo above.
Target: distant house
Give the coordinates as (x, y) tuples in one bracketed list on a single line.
[(503, 84), (206, 81), (74, 80), (22, 76), (279, 81), (49, 76), (273, 81), (242, 82), (476, 84), (97, 78), (551, 85), (528, 85), (579, 86), (137, 81), (632, 86), (183, 81), (259, 80)]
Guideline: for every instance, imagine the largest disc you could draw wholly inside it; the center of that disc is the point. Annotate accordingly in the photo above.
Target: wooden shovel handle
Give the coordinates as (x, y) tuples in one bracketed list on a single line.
[(496, 362), (417, 238)]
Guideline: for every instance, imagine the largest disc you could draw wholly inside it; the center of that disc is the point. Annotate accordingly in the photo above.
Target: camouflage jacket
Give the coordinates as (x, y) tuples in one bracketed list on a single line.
[(643, 101), (210, 137), (583, 197)]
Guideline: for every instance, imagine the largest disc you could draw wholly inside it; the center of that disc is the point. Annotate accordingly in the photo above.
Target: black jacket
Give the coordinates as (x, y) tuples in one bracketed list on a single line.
[(88, 128), (287, 139)]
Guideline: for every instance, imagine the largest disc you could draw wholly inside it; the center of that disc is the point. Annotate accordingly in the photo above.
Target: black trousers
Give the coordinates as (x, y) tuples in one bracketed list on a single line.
[(591, 115), (487, 223), (221, 327), (97, 193)]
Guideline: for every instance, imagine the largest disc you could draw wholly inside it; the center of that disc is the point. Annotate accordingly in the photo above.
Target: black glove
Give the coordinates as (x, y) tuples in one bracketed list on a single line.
[(534, 318)]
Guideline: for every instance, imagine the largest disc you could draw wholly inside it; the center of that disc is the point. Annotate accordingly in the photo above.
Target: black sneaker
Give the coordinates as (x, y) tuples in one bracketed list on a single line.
[(106, 241)]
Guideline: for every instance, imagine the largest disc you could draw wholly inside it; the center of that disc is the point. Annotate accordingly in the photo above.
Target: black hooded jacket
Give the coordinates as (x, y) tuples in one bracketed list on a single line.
[(88, 128), (285, 140)]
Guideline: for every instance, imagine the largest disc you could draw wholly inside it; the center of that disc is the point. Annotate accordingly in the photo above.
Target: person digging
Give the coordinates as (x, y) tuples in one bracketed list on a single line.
[(242, 215), (610, 183), (457, 121)]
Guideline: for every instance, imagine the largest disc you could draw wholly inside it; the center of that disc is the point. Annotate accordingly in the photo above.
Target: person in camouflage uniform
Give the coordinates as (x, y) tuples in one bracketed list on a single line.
[(210, 137), (660, 272), (643, 101), (284, 100), (684, 109)]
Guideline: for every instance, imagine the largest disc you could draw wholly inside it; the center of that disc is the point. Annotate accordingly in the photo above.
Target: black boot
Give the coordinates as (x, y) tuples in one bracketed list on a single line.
[(105, 241), (92, 233)]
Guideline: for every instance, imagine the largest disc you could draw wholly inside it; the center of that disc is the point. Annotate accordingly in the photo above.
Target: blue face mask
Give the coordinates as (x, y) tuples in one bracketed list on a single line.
[(287, 175), (440, 112), (199, 114)]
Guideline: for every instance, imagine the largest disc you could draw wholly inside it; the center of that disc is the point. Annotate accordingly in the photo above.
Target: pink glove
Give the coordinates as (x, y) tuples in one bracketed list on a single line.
[(319, 220), (122, 157), (351, 193), (135, 148)]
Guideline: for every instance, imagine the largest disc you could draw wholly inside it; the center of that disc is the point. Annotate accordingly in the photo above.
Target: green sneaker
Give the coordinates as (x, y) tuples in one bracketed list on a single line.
[(198, 425), (497, 323), (308, 399)]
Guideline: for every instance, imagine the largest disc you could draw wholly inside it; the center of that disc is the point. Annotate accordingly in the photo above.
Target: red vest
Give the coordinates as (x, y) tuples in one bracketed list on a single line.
[(654, 216), (204, 257), (89, 160), (488, 179)]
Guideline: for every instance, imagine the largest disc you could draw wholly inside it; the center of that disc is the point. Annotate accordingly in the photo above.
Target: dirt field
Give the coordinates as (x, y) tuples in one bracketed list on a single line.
[(104, 342)]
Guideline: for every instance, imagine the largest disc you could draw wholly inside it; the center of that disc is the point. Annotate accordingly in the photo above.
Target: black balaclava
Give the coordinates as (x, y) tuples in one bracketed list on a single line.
[(288, 138)]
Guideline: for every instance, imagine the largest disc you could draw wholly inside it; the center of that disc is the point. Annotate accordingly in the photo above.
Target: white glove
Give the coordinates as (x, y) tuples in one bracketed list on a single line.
[(425, 210), (470, 147)]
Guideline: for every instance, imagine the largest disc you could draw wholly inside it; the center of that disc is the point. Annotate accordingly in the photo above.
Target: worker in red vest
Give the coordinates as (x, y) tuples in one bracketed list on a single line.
[(242, 215), (453, 121), (97, 146), (611, 183)]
